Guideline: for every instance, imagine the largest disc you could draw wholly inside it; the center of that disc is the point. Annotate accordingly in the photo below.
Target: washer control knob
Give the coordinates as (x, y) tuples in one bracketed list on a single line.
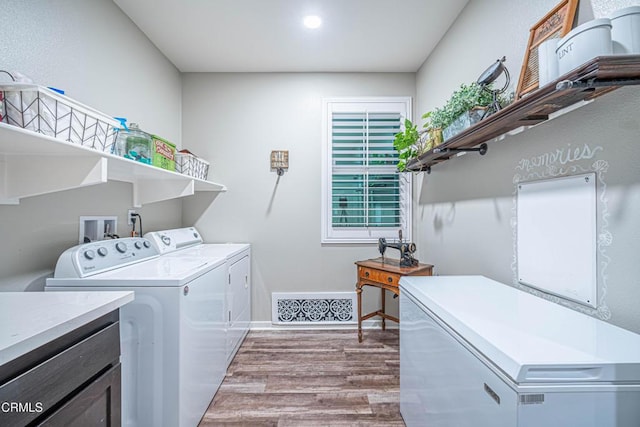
[(147, 244), (166, 240), (102, 251), (121, 247), (89, 254), (138, 245)]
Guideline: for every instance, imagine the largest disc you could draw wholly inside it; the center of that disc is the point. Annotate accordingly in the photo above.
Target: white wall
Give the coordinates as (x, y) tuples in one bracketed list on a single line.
[(235, 120), (465, 217), (95, 53)]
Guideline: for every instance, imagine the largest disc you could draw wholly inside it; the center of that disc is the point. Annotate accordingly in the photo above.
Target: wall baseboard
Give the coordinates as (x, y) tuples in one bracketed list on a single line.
[(270, 326)]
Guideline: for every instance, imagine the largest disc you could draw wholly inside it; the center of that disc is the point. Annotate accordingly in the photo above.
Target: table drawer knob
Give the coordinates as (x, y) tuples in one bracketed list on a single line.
[(390, 279), (366, 274)]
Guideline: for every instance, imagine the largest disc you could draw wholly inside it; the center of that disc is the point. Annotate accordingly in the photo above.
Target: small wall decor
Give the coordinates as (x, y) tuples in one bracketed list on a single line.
[(555, 24), (280, 161)]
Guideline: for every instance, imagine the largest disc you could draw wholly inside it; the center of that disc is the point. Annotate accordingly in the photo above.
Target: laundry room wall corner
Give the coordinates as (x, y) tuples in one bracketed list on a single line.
[(96, 54)]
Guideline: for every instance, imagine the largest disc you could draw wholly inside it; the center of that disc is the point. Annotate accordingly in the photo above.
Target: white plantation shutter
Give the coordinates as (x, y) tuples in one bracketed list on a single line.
[(364, 197)]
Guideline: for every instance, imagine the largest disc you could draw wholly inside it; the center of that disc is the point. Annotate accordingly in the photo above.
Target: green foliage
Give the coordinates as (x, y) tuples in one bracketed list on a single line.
[(405, 144), (411, 143), (427, 120), (461, 101)]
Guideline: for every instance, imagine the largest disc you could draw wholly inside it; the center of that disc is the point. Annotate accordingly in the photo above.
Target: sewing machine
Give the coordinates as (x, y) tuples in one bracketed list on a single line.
[(406, 250)]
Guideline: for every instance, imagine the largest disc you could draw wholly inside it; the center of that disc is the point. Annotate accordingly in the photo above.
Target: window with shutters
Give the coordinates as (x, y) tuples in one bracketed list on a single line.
[(363, 197)]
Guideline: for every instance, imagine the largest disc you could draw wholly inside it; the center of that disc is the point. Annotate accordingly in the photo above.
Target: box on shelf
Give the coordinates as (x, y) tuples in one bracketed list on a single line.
[(163, 153), (42, 110), (188, 164)]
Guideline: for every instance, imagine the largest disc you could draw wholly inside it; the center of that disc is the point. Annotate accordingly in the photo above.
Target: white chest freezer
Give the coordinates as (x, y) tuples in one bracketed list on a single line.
[(475, 352)]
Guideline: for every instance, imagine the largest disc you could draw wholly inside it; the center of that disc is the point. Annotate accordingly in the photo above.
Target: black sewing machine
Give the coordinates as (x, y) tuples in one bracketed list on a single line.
[(406, 250)]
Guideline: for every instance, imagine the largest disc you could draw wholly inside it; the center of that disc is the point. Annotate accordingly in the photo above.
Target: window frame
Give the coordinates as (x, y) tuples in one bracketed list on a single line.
[(342, 235)]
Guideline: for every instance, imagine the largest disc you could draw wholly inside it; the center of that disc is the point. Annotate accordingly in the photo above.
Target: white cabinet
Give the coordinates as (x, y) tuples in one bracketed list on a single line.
[(238, 301), (33, 164)]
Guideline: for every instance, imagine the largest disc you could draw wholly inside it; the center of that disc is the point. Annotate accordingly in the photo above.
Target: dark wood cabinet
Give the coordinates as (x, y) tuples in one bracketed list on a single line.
[(73, 380), (98, 404)]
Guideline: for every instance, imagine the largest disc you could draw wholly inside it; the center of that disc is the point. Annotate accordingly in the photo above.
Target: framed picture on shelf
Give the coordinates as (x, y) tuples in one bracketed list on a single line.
[(555, 24)]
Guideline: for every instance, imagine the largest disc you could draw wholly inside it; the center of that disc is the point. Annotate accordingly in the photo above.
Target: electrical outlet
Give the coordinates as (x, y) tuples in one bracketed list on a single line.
[(130, 214)]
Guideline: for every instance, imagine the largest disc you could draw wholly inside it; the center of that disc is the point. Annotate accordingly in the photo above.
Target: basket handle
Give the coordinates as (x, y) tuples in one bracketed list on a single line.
[(9, 74)]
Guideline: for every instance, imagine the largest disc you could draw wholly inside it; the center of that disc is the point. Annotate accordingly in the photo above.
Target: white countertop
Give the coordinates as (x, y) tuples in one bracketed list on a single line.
[(31, 319), (527, 337)]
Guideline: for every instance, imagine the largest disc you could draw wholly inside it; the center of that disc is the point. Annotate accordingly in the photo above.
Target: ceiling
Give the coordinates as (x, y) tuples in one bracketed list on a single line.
[(268, 35)]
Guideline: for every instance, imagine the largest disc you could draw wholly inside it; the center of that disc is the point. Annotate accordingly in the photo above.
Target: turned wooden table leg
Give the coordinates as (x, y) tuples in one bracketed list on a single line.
[(383, 309), (359, 293)]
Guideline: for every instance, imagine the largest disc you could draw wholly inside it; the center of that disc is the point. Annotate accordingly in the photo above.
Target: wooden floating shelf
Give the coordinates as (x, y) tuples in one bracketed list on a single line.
[(594, 78)]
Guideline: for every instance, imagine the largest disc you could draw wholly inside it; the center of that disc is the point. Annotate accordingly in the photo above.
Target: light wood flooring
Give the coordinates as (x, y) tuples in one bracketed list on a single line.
[(311, 378)]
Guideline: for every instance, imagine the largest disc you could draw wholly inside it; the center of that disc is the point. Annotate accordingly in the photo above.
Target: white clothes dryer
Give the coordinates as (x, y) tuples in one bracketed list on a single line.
[(188, 242), (172, 334)]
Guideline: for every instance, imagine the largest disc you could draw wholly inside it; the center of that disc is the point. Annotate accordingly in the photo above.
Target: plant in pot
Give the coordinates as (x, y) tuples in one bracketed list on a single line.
[(413, 142), (405, 144), (466, 106), (433, 131)]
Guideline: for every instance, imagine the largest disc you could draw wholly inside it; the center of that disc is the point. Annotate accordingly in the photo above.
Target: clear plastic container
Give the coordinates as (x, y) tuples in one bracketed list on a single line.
[(134, 144)]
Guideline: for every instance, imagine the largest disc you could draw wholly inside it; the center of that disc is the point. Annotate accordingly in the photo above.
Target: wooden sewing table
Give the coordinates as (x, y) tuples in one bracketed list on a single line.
[(383, 273)]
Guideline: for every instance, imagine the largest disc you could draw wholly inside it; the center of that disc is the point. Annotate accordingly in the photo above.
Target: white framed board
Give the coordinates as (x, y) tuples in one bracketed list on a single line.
[(556, 237)]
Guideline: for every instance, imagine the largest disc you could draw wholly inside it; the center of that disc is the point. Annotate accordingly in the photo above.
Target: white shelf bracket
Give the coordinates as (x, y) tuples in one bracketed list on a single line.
[(149, 191), (35, 175), (33, 164)]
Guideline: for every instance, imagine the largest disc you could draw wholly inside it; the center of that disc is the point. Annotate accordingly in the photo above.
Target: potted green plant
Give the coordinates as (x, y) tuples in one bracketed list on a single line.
[(466, 106), (434, 131), (413, 142), (405, 144)]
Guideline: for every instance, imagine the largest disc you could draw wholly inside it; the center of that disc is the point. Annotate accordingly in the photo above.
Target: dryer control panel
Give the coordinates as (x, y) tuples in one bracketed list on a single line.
[(97, 257), (167, 241)]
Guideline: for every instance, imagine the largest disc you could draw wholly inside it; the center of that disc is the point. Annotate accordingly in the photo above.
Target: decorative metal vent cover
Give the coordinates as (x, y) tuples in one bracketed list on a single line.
[(313, 308)]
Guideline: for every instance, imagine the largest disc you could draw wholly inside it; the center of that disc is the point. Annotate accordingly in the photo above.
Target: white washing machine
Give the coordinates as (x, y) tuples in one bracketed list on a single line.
[(187, 242), (172, 334)]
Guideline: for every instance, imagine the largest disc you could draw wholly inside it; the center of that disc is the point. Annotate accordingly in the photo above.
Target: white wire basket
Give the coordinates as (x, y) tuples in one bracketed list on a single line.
[(45, 111), (188, 164)]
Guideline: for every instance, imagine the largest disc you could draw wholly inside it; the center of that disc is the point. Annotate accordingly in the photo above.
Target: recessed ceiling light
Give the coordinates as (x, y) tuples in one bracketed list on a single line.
[(312, 21)]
